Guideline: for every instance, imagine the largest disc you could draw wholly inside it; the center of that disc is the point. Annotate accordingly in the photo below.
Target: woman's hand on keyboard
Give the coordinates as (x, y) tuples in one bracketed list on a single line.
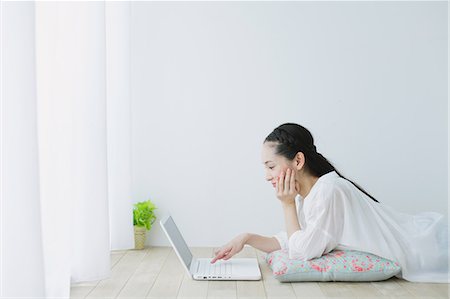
[(231, 248)]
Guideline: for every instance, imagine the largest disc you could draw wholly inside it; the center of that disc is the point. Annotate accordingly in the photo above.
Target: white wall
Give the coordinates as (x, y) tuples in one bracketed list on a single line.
[(210, 80)]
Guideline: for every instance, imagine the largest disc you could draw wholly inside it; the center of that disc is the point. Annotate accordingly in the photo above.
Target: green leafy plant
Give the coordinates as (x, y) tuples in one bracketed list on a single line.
[(143, 214)]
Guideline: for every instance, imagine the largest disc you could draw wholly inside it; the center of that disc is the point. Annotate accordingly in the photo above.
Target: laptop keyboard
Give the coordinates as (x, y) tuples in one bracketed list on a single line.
[(220, 269)]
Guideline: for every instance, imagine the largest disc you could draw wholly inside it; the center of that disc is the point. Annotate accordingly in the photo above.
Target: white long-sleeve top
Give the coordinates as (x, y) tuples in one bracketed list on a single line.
[(337, 215)]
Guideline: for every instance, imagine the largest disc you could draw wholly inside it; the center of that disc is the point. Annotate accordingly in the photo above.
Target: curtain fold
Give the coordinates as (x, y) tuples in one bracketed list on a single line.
[(65, 145), (71, 101), (117, 19), (21, 255)]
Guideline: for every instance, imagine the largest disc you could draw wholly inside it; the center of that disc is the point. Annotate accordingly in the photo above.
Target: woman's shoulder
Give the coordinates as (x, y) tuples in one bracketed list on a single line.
[(331, 181), (332, 185), (330, 193), (339, 188)]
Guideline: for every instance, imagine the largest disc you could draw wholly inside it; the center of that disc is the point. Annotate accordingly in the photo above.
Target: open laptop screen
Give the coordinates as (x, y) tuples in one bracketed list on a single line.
[(177, 240)]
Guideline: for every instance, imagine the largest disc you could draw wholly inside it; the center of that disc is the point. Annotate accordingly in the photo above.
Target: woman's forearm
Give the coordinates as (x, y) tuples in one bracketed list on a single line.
[(266, 244), (290, 216)]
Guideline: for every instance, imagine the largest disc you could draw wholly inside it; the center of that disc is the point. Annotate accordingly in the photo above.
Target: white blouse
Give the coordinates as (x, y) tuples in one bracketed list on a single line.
[(337, 215)]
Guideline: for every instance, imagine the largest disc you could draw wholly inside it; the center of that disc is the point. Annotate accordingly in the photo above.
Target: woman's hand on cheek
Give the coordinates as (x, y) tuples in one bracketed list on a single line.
[(286, 191)]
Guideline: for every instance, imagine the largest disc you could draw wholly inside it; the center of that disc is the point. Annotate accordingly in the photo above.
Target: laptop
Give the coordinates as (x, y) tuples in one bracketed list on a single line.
[(201, 268)]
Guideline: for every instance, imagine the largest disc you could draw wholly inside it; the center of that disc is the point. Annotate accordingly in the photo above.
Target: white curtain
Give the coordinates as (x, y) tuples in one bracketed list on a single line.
[(65, 144), (118, 94)]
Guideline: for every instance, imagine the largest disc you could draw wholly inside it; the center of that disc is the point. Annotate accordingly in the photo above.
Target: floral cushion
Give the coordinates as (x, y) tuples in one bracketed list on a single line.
[(337, 265)]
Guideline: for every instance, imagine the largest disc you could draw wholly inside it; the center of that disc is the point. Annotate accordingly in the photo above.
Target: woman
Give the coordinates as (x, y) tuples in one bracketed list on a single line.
[(325, 211)]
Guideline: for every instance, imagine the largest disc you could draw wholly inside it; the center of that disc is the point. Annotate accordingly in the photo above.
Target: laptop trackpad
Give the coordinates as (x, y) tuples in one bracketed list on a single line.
[(247, 268)]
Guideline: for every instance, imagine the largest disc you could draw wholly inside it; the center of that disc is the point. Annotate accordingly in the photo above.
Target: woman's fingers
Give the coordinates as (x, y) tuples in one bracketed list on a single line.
[(286, 186), (220, 254), (287, 180), (280, 183), (292, 187), (229, 254), (284, 181)]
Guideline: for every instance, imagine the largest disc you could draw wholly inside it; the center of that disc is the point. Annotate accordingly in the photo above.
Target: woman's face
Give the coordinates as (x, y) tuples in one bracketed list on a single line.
[(274, 164)]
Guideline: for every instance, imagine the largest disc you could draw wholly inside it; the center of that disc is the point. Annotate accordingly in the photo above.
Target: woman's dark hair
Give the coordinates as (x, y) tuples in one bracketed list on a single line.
[(292, 138)]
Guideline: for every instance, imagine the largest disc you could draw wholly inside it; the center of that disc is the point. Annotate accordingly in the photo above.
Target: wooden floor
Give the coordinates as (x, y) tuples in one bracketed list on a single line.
[(156, 272)]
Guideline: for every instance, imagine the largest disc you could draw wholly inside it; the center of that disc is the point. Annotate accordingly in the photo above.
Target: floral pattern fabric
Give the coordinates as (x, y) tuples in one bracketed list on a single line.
[(337, 265)]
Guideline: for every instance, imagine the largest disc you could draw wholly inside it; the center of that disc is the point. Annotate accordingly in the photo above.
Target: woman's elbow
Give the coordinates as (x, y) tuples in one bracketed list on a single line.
[(295, 255), (301, 254)]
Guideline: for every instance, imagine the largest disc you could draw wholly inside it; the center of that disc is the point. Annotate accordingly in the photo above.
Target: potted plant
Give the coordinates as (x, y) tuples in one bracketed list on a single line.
[(143, 218)]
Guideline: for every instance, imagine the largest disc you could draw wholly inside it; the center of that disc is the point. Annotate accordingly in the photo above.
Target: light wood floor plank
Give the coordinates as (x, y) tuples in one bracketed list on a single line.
[(364, 289), (154, 260), (82, 289), (156, 272), (138, 286), (169, 279), (128, 263), (77, 292), (115, 258), (122, 271), (391, 287), (191, 288), (249, 289), (337, 289), (108, 288), (307, 290), (265, 270), (221, 289), (443, 289), (419, 289), (273, 288), (121, 251)]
